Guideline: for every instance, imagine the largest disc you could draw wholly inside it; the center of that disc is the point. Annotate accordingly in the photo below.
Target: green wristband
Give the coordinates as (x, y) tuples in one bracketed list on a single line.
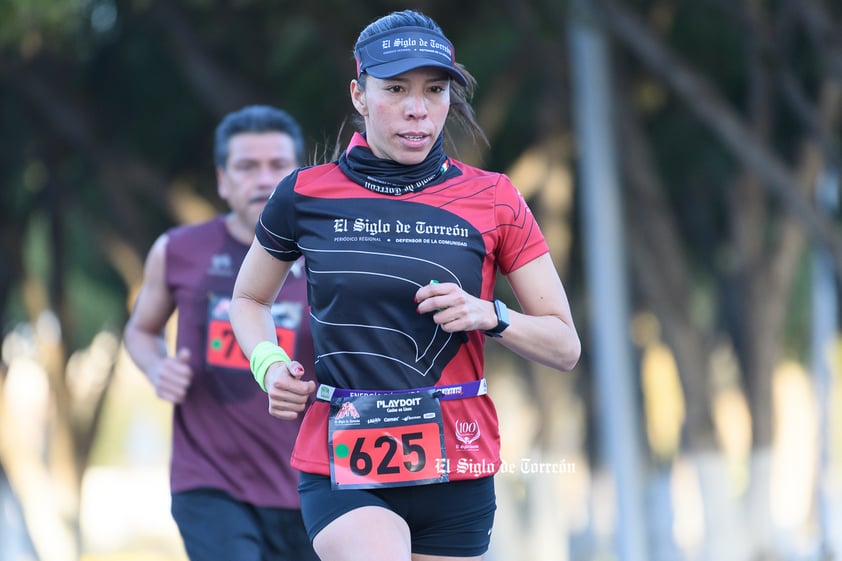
[(264, 355)]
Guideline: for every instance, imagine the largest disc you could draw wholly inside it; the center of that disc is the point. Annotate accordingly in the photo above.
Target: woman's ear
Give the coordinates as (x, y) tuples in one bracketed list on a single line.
[(358, 98)]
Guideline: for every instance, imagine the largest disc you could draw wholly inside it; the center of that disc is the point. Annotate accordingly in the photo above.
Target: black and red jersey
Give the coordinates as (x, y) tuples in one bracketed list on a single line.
[(366, 256)]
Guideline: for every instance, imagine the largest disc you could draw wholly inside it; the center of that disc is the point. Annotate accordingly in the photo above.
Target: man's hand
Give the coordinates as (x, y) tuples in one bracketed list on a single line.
[(173, 376)]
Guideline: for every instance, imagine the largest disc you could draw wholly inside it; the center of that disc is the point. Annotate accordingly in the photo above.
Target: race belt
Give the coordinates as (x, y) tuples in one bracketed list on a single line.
[(443, 393)]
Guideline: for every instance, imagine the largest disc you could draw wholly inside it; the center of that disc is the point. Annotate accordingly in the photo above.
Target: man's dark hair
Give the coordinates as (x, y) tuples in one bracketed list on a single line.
[(256, 119)]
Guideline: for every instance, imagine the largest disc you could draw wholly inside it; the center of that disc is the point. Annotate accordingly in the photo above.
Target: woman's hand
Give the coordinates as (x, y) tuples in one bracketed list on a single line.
[(454, 309), (543, 329), (288, 393)]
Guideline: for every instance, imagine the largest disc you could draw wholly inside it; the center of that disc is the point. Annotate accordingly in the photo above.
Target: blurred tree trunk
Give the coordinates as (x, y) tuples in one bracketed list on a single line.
[(15, 543), (763, 275), (661, 272), (53, 403), (662, 275), (48, 427)]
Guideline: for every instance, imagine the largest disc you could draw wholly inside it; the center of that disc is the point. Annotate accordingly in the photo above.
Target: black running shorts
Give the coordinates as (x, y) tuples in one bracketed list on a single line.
[(449, 519)]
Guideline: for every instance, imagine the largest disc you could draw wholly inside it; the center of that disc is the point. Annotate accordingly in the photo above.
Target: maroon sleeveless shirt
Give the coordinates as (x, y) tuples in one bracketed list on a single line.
[(223, 435)]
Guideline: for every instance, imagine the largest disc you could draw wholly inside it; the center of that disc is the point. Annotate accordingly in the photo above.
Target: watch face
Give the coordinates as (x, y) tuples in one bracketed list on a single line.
[(502, 313), (502, 316)]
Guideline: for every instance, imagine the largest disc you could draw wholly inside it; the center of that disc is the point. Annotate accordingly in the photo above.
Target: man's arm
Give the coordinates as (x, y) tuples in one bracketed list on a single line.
[(144, 333)]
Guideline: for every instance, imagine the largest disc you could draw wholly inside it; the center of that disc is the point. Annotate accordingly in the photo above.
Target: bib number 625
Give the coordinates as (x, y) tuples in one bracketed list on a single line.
[(386, 456), (361, 461)]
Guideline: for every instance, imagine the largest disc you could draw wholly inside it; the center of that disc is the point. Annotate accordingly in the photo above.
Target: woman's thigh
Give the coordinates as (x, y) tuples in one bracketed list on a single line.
[(369, 533)]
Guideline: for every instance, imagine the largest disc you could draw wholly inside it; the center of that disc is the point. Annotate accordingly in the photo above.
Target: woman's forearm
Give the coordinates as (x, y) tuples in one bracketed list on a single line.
[(545, 339)]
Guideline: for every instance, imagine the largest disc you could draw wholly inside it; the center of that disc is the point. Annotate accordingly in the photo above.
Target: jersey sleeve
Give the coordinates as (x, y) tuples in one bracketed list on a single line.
[(276, 228), (520, 240)]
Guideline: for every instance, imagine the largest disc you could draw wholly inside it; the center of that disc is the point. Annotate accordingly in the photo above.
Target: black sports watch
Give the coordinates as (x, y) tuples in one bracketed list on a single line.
[(502, 319)]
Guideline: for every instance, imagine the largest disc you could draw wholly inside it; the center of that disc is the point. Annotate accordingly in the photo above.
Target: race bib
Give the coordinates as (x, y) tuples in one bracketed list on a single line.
[(221, 348), (392, 440)]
